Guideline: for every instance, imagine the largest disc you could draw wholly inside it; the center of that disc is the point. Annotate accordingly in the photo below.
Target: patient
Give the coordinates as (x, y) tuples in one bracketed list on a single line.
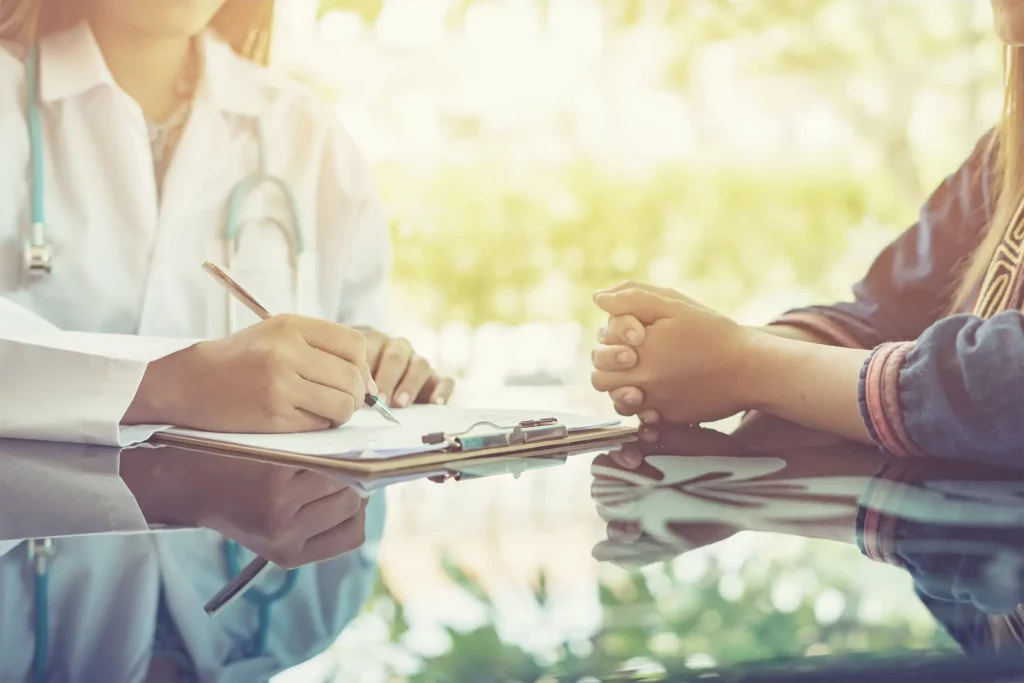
[(928, 360)]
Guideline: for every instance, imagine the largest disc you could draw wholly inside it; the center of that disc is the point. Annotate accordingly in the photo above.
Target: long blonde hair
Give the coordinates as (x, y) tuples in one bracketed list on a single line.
[(1009, 181), (245, 24)]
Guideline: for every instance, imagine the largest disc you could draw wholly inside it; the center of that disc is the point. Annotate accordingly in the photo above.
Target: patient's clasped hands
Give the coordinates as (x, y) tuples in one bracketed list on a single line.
[(665, 356)]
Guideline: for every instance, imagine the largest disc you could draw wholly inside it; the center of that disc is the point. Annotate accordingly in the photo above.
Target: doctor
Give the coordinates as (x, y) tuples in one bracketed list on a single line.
[(139, 139)]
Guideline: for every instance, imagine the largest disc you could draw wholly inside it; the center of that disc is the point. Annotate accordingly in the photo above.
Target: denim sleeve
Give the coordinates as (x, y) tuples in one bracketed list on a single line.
[(908, 285), (957, 392)]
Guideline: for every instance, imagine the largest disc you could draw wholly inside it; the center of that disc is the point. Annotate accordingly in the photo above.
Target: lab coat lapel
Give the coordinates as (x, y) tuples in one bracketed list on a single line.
[(196, 169)]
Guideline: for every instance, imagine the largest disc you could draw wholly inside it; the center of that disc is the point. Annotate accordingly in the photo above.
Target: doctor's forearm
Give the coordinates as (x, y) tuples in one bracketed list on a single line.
[(811, 384)]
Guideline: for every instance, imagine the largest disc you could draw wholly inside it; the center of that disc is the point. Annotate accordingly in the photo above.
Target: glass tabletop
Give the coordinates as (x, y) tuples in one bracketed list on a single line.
[(689, 554), (692, 552)]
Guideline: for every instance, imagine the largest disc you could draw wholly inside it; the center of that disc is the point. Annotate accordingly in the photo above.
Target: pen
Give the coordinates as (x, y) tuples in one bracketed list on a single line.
[(239, 292), (255, 569)]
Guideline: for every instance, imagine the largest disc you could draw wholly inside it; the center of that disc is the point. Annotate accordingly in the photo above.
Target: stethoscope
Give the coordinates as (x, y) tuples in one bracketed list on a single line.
[(39, 264)]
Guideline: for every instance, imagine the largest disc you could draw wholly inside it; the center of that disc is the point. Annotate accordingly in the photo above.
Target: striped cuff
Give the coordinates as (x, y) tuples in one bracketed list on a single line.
[(820, 325), (876, 524), (880, 402)]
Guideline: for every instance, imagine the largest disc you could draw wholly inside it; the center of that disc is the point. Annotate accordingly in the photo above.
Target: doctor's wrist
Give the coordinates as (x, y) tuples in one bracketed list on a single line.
[(157, 399), (154, 476)]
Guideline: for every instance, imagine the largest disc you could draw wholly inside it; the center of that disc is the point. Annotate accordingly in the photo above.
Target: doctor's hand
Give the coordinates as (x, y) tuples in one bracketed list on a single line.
[(285, 374), (690, 365), (403, 377), (291, 517)]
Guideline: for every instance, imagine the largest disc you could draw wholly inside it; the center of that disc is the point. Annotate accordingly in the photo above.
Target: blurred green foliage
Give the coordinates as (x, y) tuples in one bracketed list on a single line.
[(660, 624), (485, 240)]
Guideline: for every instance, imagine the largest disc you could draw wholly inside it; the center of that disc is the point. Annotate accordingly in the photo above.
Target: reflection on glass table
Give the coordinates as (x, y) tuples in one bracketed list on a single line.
[(704, 552), (770, 555)]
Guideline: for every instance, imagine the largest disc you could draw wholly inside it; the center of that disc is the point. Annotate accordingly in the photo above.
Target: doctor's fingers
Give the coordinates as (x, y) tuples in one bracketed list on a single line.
[(309, 486), (343, 537), (416, 376), (332, 338), (282, 417), (336, 406), (335, 375), (327, 512), (437, 390), (286, 525), (318, 535), (395, 359)]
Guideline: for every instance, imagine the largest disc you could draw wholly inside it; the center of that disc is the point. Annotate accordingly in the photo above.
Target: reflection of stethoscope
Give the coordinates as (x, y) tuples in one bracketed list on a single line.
[(39, 263)]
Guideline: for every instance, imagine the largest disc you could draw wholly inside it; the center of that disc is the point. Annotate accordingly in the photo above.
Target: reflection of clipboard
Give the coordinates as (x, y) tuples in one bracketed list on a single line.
[(476, 468), (531, 438), (463, 469)]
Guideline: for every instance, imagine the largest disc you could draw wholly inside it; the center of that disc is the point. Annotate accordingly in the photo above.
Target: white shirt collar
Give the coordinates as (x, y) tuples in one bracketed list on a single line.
[(71, 64)]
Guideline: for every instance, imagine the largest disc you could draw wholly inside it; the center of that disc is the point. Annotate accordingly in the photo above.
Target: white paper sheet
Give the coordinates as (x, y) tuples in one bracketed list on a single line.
[(368, 435)]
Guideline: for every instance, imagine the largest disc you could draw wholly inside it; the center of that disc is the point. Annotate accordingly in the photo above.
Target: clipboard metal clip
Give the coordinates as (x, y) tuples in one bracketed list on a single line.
[(528, 431)]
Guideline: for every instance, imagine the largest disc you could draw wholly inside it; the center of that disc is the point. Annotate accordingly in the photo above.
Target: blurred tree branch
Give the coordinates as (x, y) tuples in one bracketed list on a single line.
[(834, 44)]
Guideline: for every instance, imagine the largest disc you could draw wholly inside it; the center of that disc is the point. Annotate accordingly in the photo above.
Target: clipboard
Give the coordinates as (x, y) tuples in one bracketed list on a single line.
[(527, 439)]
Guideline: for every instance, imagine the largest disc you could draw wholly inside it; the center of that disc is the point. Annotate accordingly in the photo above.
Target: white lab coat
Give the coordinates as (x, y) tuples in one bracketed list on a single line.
[(127, 288)]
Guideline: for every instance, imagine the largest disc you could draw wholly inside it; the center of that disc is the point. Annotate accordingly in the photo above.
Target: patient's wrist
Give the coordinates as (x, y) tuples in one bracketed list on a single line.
[(763, 367)]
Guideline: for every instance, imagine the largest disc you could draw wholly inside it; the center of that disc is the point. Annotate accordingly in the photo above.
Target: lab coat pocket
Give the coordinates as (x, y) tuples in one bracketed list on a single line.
[(278, 282)]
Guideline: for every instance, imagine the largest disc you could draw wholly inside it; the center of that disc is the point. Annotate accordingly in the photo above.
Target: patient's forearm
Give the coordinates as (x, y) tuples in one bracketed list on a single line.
[(795, 333), (814, 385)]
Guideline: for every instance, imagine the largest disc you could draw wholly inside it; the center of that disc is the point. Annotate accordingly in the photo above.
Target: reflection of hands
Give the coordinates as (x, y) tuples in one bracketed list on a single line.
[(627, 542), (291, 517), (402, 376), (681, 488), (678, 440)]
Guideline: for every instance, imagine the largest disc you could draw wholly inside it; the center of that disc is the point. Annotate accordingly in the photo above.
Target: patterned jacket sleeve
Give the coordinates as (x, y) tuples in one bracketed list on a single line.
[(956, 392)]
